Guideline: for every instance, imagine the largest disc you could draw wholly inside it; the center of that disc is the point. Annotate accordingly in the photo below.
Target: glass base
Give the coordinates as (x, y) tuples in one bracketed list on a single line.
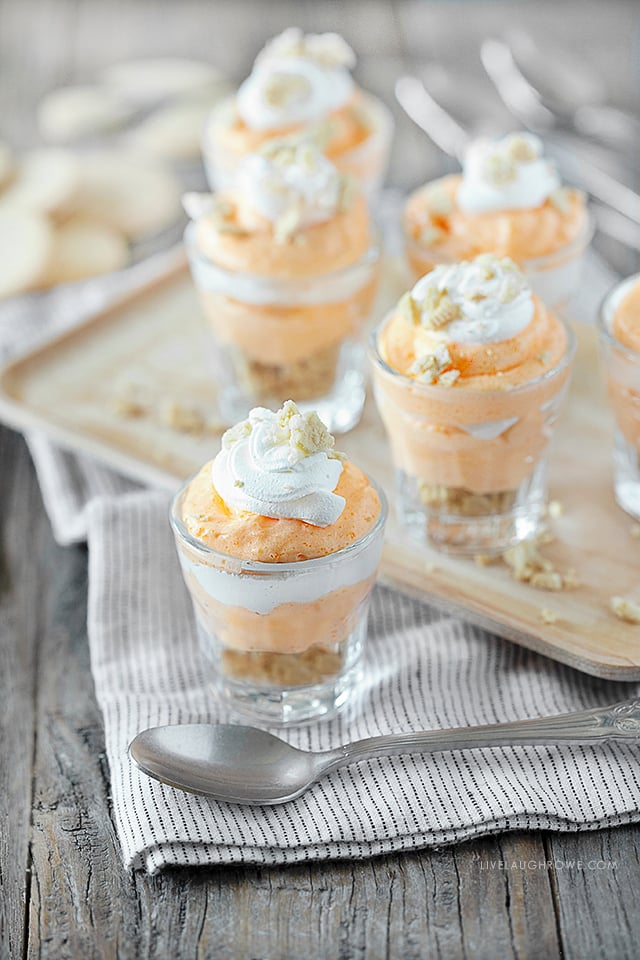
[(277, 688), (626, 480), (459, 521), (298, 705), (339, 409)]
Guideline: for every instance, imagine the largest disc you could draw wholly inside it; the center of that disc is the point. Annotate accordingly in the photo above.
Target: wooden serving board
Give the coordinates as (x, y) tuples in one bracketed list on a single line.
[(150, 349)]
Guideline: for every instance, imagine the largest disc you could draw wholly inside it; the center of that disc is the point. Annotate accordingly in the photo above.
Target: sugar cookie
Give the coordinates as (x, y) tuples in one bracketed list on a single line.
[(132, 194), (84, 248), (152, 80), (26, 242), (70, 113), (45, 180), (173, 132)]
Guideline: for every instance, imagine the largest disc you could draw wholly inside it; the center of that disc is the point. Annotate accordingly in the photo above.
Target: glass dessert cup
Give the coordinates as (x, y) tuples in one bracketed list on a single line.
[(285, 640), (553, 277), (622, 372), (274, 339), (471, 465), (367, 162)]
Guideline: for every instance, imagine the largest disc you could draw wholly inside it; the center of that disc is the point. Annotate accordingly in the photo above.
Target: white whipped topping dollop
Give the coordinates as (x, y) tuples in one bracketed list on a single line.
[(488, 299), (508, 174), (296, 79), (294, 177), (280, 465)]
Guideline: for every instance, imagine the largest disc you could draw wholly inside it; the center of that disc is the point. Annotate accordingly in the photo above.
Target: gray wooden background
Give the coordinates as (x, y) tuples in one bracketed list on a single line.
[(63, 892)]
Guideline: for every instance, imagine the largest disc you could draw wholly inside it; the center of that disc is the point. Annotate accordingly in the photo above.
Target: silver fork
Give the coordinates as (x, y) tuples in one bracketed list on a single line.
[(617, 207), (577, 104)]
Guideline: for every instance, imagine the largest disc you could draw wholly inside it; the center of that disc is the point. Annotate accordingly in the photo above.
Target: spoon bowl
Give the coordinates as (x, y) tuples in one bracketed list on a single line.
[(237, 764)]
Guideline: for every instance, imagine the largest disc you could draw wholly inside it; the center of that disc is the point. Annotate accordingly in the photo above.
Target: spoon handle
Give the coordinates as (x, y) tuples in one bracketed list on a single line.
[(620, 722)]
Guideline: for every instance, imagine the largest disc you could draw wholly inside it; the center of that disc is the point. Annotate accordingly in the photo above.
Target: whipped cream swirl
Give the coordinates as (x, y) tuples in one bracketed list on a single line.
[(296, 79), (280, 465), (508, 174), (291, 179), (485, 300)]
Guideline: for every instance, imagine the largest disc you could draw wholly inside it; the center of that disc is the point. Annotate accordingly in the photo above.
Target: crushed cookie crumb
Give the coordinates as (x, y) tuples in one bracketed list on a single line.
[(309, 434), (485, 559), (438, 309), (554, 509), (431, 236), (499, 169), (548, 616), (529, 566), (182, 418), (282, 90), (547, 580), (431, 365), (438, 201), (625, 609), (571, 579), (521, 150), (544, 536), (129, 409), (231, 228), (449, 378), (409, 309), (130, 403), (561, 199), (509, 289)]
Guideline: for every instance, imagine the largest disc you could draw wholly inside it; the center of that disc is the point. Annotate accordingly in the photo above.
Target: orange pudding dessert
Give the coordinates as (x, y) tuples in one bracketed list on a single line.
[(287, 268), (620, 347), (508, 201), (469, 372), (279, 539), (301, 85)]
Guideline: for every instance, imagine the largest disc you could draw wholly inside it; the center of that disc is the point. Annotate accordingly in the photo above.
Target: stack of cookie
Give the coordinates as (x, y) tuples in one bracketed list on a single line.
[(111, 176)]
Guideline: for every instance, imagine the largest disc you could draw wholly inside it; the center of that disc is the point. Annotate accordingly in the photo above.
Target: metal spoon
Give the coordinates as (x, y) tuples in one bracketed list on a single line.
[(241, 764)]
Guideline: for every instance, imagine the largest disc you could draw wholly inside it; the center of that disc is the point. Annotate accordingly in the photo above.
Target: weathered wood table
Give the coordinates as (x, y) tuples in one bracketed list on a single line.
[(63, 891)]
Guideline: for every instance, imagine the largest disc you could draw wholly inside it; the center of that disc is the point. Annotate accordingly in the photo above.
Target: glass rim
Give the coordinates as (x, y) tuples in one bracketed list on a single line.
[(370, 258), (440, 389), (546, 260), (271, 568), (604, 311)]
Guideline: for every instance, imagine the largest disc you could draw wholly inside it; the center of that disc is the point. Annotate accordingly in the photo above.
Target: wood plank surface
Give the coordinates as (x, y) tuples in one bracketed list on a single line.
[(21, 526), (63, 891)]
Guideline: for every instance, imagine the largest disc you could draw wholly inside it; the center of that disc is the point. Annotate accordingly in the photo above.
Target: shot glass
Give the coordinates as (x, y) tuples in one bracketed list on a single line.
[(470, 465), (368, 161), (276, 339), (553, 277), (285, 641), (622, 372)]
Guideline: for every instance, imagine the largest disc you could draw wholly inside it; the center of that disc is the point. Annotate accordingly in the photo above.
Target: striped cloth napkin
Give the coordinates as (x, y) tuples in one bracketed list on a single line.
[(423, 670)]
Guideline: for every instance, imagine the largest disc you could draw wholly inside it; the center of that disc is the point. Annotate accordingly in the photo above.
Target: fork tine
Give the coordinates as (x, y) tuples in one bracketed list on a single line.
[(515, 90), (426, 113)]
